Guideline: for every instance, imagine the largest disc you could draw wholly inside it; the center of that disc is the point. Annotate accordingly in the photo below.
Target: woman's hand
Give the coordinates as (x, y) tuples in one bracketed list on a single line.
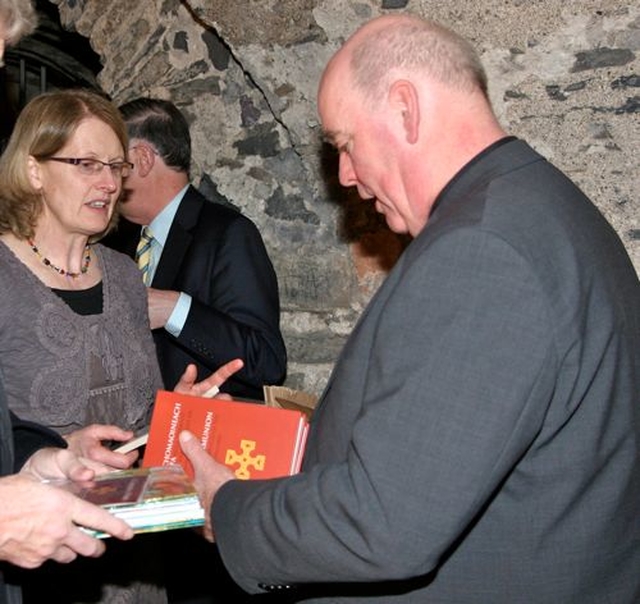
[(51, 463), (188, 385), (88, 443)]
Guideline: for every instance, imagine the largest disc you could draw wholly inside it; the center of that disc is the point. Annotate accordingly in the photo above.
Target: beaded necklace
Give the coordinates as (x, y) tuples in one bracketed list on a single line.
[(61, 271)]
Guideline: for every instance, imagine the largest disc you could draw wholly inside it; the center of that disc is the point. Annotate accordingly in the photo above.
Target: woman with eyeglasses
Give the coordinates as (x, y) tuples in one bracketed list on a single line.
[(39, 522), (73, 340), (75, 344)]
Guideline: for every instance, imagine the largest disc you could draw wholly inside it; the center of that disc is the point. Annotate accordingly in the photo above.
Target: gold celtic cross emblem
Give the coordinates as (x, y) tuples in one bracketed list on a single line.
[(245, 459)]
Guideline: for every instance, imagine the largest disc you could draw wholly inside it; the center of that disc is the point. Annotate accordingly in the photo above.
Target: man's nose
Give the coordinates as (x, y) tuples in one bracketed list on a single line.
[(346, 173)]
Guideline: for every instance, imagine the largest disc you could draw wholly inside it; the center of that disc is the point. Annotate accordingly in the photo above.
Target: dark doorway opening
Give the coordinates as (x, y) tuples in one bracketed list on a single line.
[(49, 59)]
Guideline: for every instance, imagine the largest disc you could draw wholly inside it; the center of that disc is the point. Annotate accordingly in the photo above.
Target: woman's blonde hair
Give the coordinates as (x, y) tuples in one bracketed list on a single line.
[(44, 126)]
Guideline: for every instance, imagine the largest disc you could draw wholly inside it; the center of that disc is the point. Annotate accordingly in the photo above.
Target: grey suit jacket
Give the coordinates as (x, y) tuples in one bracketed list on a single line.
[(478, 441)]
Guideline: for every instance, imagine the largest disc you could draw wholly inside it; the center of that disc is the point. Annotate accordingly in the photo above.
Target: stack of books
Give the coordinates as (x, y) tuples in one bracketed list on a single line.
[(255, 440), (147, 499), (252, 439)]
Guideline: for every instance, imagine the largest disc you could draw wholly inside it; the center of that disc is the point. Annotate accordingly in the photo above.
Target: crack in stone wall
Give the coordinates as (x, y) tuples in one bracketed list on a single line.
[(564, 75)]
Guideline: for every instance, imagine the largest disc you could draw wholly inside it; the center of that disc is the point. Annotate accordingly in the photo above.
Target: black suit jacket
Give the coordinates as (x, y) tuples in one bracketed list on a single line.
[(18, 441), (217, 256)]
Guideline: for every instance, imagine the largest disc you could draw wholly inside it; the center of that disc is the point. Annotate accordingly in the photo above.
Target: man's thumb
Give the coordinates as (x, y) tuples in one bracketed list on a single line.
[(190, 445)]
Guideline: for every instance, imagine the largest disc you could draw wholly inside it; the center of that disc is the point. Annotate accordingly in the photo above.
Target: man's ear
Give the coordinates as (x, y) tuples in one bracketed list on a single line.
[(144, 160), (403, 98), (33, 171)]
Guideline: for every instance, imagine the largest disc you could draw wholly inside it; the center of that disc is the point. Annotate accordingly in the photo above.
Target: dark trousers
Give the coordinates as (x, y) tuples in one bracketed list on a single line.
[(196, 574)]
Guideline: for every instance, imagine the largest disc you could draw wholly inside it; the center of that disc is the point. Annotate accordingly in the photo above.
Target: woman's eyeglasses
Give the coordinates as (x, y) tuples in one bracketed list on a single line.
[(90, 166)]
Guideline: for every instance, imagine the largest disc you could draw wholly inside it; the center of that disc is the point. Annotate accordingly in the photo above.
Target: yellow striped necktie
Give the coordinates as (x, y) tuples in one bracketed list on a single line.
[(143, 253)]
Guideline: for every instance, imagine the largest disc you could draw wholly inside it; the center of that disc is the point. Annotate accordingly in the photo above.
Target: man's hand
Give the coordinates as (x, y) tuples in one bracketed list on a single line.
[(188, 385), (209, 476), (161, 303), (87, 443), (40, 522)]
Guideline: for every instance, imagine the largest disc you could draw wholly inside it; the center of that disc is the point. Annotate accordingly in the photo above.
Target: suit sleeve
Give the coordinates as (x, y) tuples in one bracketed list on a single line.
[(453, 374), (239, 314), (28, 437)]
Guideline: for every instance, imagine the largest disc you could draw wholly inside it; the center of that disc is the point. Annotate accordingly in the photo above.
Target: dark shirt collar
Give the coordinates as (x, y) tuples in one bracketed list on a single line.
[(467, 167)]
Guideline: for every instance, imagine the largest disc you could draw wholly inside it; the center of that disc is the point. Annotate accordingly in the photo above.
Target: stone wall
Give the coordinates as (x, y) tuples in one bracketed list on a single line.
[(564, 74)]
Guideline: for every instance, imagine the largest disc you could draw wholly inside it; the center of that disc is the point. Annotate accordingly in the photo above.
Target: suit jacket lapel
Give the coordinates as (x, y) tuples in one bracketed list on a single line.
[(178, 240)]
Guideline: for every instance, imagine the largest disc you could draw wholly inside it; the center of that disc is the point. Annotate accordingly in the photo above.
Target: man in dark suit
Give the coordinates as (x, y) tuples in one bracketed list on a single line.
[(479, 439), (213, 292)]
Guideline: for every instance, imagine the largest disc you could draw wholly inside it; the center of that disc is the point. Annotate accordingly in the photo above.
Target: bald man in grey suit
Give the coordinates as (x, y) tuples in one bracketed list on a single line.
[(478, 441)]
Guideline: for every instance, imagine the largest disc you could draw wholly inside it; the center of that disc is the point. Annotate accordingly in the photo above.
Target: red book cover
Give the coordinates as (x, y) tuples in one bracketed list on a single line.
[(253, 440)]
